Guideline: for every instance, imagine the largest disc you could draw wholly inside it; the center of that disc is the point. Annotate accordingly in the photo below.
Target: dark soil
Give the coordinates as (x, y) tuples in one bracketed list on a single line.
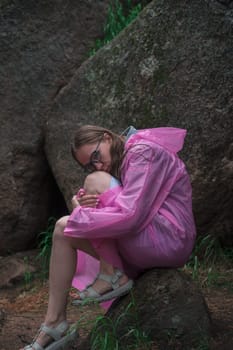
[(22, 309)]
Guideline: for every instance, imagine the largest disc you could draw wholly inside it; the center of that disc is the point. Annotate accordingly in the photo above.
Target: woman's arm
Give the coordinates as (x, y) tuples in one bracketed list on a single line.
[(149, 174)]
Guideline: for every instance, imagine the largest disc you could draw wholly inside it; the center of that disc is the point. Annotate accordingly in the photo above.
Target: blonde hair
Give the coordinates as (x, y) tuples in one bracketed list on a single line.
[(87, 134)]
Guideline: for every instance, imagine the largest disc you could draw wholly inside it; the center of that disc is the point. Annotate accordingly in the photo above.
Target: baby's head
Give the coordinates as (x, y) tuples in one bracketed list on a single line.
[(97, 182)]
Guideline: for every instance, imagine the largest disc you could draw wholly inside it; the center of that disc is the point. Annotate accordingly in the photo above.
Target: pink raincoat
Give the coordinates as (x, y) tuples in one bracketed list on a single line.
[(148, 222)]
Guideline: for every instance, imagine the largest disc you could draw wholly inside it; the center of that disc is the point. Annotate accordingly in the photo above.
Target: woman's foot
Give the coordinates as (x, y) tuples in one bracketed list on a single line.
[(52, 335), (104, 287)]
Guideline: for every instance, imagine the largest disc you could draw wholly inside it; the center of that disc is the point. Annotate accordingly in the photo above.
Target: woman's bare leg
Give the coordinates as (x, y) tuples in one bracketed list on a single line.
[(62, 269), (63, 265), (97, 183)]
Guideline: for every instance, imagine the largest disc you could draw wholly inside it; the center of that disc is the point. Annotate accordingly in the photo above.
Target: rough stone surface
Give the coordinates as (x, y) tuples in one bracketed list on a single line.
[(41, 43), (167, 306), (171, 67), (17, 267)]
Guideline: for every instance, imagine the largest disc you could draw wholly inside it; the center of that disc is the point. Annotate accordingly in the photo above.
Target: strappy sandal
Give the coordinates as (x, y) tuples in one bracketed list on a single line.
[(60, 341), (89, 294)]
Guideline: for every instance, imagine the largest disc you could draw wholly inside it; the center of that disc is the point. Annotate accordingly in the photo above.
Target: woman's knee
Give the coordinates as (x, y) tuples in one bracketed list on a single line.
[(97, 182), (59, 227)]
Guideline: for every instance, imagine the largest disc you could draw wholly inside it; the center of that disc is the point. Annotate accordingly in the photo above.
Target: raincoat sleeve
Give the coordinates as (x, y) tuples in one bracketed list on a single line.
[(150, 172)]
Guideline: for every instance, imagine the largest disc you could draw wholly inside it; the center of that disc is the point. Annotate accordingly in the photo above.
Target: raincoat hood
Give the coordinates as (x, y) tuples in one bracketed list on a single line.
[(169, 138)]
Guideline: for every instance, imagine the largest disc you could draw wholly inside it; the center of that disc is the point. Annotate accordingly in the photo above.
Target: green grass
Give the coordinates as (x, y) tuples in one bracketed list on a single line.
[(208, 250), (118, 18), (210, 262), (27, 274), (45, 246), (105, 335)]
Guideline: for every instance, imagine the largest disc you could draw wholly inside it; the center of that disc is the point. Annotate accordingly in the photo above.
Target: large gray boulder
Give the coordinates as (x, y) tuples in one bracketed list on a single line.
[(42, 44), (166, 306), (171, 67), (18, 267)]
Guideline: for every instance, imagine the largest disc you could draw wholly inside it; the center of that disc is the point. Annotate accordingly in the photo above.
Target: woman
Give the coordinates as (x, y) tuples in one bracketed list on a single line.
[(144, 220)]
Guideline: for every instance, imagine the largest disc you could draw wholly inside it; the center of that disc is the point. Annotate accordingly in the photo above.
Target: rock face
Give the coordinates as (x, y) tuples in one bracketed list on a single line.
[(16, 268), (42, 44), (166, 305), (171, 67)]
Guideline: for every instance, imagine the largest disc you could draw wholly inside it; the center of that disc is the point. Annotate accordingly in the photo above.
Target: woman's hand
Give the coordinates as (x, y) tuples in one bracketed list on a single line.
[(75, 202), (84, 200), (88, 200)]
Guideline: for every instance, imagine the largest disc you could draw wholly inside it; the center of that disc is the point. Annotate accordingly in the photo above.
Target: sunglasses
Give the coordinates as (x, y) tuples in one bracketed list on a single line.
[(95, 158)]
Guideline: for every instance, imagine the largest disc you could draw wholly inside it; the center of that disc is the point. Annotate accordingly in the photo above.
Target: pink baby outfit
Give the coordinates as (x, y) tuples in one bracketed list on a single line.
[(148, 222)]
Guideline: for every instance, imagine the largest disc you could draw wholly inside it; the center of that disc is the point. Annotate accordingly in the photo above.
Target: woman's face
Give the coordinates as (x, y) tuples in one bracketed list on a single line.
[(96, 156)]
